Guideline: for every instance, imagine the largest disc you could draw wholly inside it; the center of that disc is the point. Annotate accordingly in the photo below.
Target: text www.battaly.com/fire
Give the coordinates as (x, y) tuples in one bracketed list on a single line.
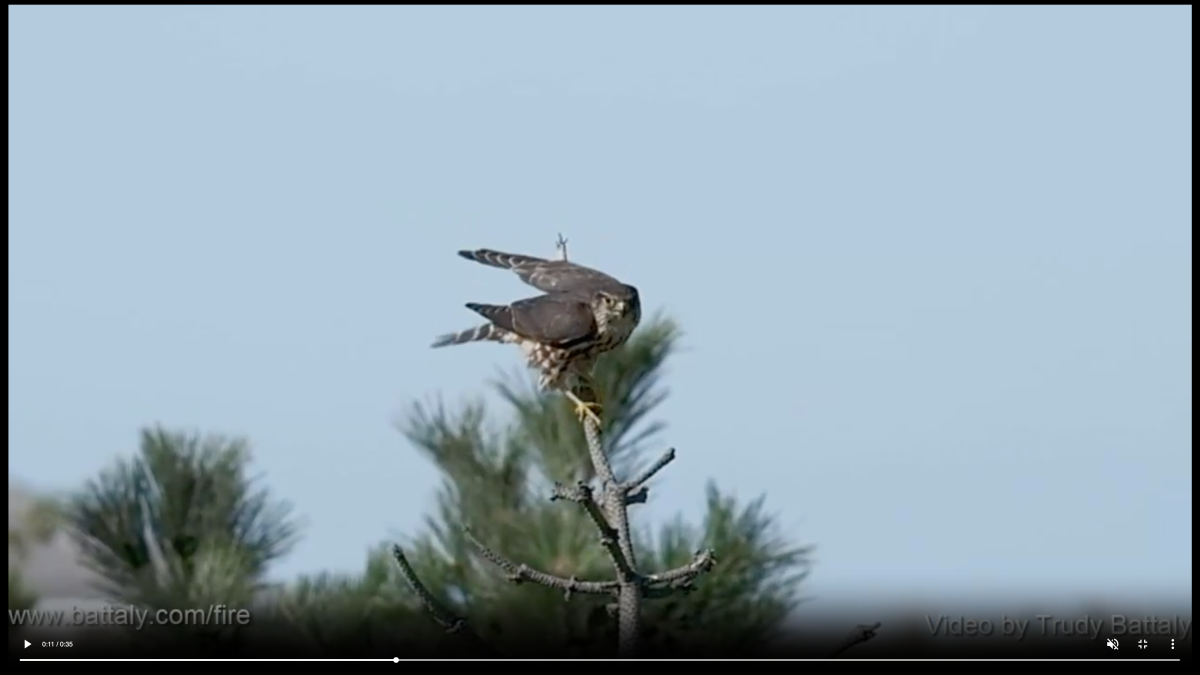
[(136, 617)]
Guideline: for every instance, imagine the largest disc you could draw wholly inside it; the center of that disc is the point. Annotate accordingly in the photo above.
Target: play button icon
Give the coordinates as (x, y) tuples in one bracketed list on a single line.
[(27, 644)]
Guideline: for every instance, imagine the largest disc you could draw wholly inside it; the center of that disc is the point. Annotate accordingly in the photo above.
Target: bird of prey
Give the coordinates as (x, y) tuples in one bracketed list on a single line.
[(581, 314)]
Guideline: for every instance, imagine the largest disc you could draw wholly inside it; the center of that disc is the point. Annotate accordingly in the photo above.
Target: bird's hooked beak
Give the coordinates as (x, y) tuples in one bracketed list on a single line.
[(616, 304)]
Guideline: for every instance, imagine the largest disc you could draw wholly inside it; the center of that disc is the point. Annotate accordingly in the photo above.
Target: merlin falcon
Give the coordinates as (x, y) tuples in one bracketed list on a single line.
[(581, 314)]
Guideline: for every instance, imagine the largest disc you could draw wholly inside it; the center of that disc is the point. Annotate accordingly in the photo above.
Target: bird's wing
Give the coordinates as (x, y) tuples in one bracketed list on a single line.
[(550, 276), (560, 319)]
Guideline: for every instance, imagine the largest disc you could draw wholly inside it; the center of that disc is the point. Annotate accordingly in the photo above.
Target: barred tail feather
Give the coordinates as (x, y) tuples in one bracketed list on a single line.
[(479, 334), (497, 314), (498, 259)]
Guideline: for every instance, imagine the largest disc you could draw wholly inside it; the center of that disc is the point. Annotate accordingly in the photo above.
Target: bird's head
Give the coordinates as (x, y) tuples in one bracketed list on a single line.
[(623, 302)]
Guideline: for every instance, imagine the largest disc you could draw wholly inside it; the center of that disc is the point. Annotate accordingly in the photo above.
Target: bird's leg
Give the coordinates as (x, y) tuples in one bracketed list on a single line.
[(584, 409)]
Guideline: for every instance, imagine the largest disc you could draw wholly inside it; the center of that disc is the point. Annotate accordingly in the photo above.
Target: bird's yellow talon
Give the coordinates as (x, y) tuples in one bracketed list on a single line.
[(585, 409), (588, 410)]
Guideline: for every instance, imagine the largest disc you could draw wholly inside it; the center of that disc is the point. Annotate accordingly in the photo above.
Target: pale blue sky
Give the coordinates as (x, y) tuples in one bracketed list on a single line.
[(934, 264)]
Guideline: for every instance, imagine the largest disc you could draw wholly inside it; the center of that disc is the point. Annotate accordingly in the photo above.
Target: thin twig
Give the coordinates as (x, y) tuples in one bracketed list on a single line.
[(443, 616), (518, 573), (447, 619), (561, 245), (861, 633), (638, 496), (682, 576), (632, 486)]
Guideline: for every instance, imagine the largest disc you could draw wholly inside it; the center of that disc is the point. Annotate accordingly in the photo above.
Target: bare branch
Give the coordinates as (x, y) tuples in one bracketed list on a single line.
[(682, 577), (581, 494), (561, 245), (447, 619), (629, 487), (520, 573), (861, 633), (443, 616), (600, 461), (616, 515), (638, 496)]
